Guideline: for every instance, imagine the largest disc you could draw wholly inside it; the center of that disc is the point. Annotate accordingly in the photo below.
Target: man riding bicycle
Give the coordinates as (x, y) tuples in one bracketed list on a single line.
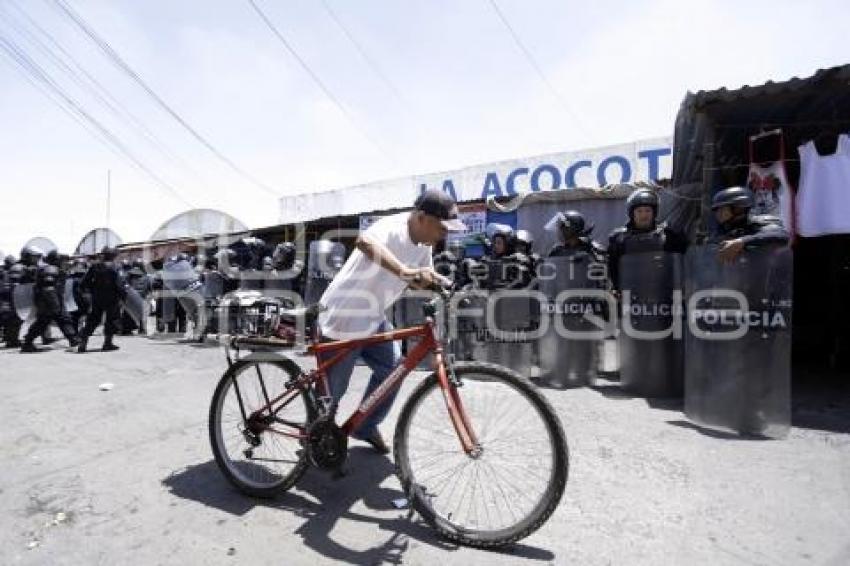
[(393, 253)]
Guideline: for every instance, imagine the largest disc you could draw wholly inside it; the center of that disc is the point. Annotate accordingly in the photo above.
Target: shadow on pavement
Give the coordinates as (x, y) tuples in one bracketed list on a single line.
[(322, 501), (714, 433)]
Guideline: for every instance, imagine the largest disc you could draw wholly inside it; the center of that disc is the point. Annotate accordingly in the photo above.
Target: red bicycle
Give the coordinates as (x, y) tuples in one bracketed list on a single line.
[(480, 453)]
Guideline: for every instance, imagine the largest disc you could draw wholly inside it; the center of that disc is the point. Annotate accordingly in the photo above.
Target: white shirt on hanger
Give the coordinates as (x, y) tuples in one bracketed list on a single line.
[(823, 197)]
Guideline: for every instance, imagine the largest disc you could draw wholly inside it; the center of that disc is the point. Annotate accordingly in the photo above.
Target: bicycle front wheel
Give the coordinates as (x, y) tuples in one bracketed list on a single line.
[(509, 489), (257, 449)]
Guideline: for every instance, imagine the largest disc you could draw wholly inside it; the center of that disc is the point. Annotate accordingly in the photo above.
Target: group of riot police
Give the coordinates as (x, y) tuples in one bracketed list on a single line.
[(41, 289), (48, 288), (641, 275)]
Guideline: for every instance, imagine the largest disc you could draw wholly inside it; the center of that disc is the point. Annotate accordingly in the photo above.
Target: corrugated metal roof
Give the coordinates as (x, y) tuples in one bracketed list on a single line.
[(704, 98)]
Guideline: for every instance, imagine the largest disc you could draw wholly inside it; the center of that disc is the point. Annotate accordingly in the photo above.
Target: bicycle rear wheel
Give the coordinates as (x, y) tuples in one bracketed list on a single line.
[(513, 486), (252, 453)]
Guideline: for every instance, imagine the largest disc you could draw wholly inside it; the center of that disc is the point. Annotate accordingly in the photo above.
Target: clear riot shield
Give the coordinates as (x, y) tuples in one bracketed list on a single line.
[(507, 340), (568, 352), (650, 341), (738, 341), (134, 305), (23, 299), (324, 262)]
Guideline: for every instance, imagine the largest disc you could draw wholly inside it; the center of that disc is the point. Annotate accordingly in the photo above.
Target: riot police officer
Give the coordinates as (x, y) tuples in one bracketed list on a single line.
[(738, 230), (49, 282), (500, 238), (104, 282), (138, 280), (642, 233), (746, 271), (10, 324), (524, 259), (288, 268), (574, 232), (82, 297), (644, 263)]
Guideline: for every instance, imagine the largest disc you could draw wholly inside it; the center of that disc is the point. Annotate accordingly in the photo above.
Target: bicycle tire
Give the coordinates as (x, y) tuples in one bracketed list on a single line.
[(215, 429), (551, 495)]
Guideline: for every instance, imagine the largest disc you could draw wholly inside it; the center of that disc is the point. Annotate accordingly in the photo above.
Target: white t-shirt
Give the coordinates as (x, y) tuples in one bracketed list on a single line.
[(823, 198), (362, 291)]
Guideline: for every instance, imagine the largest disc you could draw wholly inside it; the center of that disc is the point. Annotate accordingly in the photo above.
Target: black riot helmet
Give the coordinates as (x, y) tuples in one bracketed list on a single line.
[(31, 254), (16, 272), (108, 253), (493, 231), (8, 261), (736, 197), (284, 254), (52, 258), (572, 223), (642, 197), (739, 200), (523, 241)]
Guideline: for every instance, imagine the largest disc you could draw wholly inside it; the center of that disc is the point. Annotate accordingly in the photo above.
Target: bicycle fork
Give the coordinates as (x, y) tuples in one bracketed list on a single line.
[(449, 384)]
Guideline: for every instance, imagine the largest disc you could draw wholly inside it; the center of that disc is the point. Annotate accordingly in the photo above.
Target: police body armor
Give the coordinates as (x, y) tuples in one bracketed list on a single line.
[(650, 339), (324, 262), (568, 352), (738, 356)]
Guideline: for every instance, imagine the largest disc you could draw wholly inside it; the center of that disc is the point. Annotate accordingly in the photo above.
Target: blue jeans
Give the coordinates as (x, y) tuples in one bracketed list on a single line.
[(381, 359)]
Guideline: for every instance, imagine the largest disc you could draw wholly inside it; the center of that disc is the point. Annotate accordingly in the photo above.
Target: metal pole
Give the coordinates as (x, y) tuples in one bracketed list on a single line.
[(108, 196)]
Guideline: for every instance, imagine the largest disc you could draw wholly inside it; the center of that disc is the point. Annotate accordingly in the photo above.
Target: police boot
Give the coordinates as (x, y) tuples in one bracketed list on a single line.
[(81, 347), (29, 348), (108, 346)]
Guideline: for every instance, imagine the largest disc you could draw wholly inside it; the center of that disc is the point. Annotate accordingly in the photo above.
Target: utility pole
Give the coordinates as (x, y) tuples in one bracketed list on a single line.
[(108, 195)]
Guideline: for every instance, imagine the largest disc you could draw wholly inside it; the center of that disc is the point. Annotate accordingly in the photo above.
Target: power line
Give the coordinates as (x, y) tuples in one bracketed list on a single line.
[(537, 69), (32, 70), (371, 62), (124, 66), (85, 80), (318, 81)]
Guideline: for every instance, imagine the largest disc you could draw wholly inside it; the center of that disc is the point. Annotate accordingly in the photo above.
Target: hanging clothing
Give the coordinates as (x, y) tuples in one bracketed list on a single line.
[(769, 184), (823, 199)]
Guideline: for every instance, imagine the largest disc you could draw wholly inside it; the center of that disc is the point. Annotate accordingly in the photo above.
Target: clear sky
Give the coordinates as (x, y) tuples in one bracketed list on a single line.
[(408, 87)]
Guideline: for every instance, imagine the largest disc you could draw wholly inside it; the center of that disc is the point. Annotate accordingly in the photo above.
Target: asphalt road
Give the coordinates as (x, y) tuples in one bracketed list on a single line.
[(126, 476)]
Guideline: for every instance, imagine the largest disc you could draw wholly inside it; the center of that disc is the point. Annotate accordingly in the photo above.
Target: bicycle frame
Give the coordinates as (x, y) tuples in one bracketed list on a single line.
[(428, 343)]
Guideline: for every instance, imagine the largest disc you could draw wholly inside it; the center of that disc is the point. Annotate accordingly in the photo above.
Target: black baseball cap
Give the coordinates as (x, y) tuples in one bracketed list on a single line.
[(439, 204)]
